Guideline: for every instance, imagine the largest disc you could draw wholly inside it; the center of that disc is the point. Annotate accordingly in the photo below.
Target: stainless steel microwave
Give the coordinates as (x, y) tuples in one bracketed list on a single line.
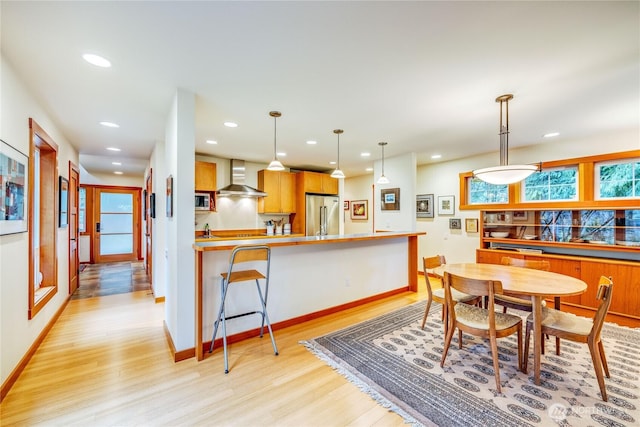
[(203, 202)]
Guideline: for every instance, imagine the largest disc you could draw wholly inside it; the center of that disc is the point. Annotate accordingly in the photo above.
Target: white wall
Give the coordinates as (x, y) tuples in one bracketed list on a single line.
[(401, 171), (17, 333), (87, 178), (358, 188), (442, 179)]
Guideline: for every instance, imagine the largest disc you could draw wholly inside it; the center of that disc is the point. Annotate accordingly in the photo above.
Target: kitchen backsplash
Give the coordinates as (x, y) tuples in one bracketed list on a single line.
[(235, 213)]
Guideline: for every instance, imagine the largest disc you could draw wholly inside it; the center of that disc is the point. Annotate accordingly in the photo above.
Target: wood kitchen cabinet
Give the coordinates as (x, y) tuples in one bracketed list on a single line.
[(280, 189), (625, 276), (205, 176), (319, 183)]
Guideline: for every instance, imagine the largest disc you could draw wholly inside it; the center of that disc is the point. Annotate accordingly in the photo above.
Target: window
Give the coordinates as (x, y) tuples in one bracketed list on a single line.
[(82, 209), (481, 192), (552, 184), (43, 218), (618, 180)]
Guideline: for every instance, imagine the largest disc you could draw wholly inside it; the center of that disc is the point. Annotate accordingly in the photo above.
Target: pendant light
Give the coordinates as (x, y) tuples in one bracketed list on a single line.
[(338, 173), (275, 164), (383, 179), (505, 173)]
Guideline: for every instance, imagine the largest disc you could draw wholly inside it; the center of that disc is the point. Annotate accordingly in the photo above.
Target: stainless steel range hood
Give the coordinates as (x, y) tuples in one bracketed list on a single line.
[(237, 186)]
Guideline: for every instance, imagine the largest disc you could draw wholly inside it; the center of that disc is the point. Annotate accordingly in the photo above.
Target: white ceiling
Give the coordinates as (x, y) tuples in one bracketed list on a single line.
[(422, 76)]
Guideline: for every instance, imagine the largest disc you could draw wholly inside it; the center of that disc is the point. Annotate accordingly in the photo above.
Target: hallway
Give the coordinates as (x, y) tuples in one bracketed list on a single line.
[(97, 280)]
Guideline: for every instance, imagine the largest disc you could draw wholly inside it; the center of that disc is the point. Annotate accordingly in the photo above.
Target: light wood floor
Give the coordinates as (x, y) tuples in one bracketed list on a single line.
[(106, 362)]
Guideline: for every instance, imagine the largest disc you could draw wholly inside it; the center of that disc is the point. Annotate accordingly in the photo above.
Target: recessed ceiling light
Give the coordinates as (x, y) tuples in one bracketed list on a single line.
[(282, 153), (312, 142), (116, 163), (436, 156), (369, 169), (211, 141), (113, 149), (96, 60), (110, 125), (551, 134), (365, 154), (118, 173), (231, 124)]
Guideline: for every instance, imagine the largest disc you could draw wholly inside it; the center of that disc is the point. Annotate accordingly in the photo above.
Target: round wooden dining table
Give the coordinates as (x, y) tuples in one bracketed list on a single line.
[(525, 283)]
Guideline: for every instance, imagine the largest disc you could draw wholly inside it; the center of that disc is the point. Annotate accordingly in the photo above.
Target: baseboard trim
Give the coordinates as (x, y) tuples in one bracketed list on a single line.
[(13, 377), (286, 323), (159, 300), (177, 355)]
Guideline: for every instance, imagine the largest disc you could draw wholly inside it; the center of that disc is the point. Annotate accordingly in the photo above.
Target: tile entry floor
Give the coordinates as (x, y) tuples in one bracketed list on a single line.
[(111, 278)]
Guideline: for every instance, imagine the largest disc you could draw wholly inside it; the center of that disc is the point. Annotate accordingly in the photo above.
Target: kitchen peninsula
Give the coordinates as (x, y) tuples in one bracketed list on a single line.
[(310, 277)]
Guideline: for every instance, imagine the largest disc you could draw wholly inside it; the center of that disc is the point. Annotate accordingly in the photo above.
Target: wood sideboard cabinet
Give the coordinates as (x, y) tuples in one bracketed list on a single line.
[(624, 273)]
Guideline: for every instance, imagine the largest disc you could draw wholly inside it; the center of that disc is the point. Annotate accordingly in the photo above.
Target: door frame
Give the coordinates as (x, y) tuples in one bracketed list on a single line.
[(148, 233), (74, 232)]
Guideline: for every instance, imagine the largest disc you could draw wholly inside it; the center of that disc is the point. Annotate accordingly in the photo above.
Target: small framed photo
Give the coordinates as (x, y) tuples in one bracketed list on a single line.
[(63, 202), (520, 215), (170, 196), (359, 209), (446, 205), (390, 199), (14, 179), (345, 205), (471, 225), (424, 206), (455, 224)]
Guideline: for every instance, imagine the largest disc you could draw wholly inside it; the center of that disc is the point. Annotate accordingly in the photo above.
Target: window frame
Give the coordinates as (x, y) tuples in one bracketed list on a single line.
[(596, 178), (46, 216), (522, 186)]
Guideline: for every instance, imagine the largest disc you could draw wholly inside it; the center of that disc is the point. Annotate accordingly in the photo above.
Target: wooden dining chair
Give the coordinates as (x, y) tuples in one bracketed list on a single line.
[(579, 329), (519, 303), (482, 322), (437, 295)]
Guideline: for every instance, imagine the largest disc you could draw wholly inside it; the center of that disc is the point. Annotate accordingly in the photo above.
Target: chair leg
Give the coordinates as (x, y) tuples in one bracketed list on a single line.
[(525, 356), (265, 318), (597, 365), (459, 338), (220, 314), (520, 348), (447, 343), (603, 359), (496, 362), (426, 313)]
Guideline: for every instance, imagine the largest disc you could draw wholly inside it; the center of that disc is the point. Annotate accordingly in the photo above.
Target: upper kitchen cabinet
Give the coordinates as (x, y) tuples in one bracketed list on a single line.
[(280, 189), (205, 176), (319, 183)]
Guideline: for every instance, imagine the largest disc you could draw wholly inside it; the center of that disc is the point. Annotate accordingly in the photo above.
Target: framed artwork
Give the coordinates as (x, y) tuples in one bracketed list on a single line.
[(346, 205), (520, 215), (14, 174), (446, 205), (424, 206), (63, 202), (152, 205), (170, 196), (471, 225), (390, 199), (359, 209), (455, 224)]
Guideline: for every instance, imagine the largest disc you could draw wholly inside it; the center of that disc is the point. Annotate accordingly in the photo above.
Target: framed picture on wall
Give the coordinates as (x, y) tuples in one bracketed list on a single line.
[(345, 205), (14, 174), (390, 199), (359, 209), (454, 224), (63, 202), (471, 225), (169, 196), (424, 206), (446, 205)]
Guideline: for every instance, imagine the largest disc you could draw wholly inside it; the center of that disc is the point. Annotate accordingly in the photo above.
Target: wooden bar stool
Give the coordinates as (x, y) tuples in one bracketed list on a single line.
[(242, 254)]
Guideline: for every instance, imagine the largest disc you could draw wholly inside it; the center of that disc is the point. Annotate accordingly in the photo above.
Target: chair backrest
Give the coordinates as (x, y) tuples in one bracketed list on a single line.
[(527, 263), (605, 289), (246, 253), (429, 263), (483, 288)]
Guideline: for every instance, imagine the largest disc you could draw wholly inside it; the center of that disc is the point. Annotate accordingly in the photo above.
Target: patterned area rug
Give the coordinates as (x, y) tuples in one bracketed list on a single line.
[(398, 364)]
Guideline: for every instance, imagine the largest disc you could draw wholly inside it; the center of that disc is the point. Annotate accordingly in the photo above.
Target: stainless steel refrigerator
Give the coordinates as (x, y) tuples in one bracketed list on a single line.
[(322, 215)]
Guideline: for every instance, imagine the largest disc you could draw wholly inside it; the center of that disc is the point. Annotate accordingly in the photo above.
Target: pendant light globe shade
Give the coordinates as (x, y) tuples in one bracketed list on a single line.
[(338, 173), (383, 179), (275, 164), (505, 173), (508, 174)]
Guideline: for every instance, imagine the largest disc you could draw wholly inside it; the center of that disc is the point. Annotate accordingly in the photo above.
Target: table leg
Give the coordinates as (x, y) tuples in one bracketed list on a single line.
[(537, 337)]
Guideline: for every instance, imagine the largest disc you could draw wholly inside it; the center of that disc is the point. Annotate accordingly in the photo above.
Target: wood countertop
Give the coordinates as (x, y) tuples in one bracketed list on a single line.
[(212, 244)]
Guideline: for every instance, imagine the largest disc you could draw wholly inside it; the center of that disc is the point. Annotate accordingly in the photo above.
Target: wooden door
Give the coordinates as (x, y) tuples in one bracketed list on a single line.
[(148, 233), (117, 219), (74, 189)]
